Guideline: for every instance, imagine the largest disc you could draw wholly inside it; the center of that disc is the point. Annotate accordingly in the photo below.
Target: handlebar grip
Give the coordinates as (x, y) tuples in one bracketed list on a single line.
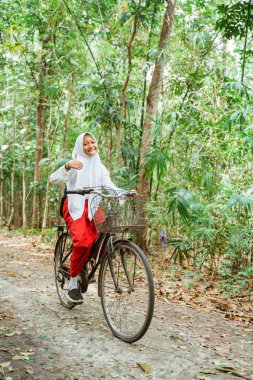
[(132, 193)]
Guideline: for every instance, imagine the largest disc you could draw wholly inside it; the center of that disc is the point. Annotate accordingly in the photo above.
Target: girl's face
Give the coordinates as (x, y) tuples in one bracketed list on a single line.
[(90, 146)]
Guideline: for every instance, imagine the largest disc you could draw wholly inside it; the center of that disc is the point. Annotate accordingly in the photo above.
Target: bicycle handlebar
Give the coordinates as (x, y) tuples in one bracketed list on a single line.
[(80, 191), (93, 191)]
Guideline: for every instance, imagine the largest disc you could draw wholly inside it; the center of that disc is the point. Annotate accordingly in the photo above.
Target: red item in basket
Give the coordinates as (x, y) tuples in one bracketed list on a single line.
[(99, 216)]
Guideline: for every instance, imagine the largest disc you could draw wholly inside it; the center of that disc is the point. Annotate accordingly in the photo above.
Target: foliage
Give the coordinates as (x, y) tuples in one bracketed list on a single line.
[(232, 19), (200, 160)]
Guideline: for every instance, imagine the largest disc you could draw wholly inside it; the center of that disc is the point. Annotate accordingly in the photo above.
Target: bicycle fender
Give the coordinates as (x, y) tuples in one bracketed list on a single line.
[(120, 241), (59, 241), (99, 276)]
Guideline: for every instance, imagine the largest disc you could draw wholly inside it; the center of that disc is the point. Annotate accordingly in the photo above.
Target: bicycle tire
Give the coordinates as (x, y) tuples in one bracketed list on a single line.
[(63, 246), (128, 299)]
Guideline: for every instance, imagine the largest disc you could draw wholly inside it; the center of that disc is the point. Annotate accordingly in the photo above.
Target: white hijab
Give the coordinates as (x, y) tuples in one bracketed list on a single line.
[(89, 176)]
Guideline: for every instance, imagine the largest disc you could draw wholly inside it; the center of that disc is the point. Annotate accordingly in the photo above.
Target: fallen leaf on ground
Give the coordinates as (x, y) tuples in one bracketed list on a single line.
[(30, 370), (30, 357), (27, 353), (207, 371), (225, 306), (225, 368), (228, 369), (221, 354), (14, 332), (52, 356), (145, 367), (17, 357), (6, 317), (246, 306), (3, 349), (5, 364)]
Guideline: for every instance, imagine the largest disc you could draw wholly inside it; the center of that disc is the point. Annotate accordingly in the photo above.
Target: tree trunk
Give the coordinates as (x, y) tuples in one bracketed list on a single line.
[(40, 131), (66, 120), (2, 178), (24, 192), (12, 173), (109, 145), (4, 104), (45, 212), (247, 25), (24, 219), (145, 85), (50, 144), (48, 134), (122, 107), (152, 104), (154, 92)]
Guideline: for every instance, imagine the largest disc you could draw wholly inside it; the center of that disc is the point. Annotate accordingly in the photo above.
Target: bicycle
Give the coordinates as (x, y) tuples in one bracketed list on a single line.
[(125, 281)]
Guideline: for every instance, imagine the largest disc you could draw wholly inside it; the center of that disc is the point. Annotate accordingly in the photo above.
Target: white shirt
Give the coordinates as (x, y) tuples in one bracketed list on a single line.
[(69, 176)]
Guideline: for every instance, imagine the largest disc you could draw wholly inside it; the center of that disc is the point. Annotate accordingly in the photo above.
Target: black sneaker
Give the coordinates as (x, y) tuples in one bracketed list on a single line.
[(75, 296)]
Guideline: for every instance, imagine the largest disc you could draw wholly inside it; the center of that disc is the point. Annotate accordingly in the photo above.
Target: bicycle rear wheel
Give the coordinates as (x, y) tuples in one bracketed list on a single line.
[(127, 291), (61, 268)]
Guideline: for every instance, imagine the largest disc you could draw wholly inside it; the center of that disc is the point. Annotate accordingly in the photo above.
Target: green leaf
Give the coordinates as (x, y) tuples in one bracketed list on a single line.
[(178, 203), (30, 357), (52, 356)]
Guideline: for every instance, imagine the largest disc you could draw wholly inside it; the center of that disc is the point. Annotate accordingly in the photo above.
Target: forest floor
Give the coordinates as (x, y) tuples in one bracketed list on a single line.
[(39, 339)]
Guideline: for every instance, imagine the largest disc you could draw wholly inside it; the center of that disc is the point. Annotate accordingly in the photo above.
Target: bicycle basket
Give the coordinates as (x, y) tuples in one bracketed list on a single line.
[(117, 214)]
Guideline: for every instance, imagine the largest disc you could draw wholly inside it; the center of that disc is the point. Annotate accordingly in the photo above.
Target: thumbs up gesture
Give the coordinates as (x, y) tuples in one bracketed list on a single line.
[(75, 164)]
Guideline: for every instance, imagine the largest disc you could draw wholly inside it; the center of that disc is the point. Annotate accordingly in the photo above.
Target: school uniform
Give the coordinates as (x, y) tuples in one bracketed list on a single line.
[(77, 211)]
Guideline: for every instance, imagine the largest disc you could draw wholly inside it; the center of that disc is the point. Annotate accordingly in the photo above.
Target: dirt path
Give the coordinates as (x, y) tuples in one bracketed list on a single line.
[(39, 339)]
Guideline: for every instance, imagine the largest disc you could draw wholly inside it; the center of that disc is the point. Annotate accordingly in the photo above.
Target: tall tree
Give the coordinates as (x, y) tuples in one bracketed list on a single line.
[(154, 92), (122, 106), (40, 125)]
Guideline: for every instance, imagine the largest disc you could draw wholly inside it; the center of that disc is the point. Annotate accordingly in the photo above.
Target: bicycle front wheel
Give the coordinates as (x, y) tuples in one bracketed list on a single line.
[(63, 249), (127, 291)]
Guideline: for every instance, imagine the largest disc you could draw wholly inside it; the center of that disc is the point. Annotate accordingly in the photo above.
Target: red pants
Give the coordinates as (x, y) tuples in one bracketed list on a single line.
[(83, 233)]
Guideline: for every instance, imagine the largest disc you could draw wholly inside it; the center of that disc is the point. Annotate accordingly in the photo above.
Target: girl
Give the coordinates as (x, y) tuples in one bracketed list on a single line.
[(84, 170)]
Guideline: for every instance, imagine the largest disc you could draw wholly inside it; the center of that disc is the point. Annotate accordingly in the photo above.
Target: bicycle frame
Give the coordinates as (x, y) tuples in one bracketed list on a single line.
[(99, 251), (125, 283), (100, 248)]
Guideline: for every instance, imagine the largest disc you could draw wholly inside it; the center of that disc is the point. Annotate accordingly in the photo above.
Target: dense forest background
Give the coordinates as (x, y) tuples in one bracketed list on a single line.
[(165, 86)]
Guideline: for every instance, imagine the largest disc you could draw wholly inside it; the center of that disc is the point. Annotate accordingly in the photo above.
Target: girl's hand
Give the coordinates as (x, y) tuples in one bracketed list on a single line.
[(75, 164)]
